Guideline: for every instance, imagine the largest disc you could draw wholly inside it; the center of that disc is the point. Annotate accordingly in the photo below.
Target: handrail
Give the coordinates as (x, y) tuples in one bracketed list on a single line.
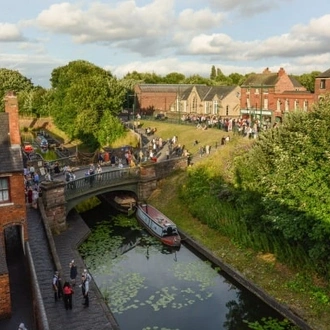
[(80, 186)]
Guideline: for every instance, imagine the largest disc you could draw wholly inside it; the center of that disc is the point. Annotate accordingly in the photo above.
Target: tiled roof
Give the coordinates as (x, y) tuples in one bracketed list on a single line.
[(295, 82), (267, 79), (164, 88), (325, 74), (207, 93), (221, 91), (11, 159), (258, 79)]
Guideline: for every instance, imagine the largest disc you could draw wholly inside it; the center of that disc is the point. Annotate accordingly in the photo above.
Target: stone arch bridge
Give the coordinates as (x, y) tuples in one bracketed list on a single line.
[(59, 197)]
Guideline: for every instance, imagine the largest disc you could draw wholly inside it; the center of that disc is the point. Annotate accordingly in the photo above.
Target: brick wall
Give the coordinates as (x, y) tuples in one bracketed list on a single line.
[(155, 102), (321, 91), (5, 301), (15, 212)]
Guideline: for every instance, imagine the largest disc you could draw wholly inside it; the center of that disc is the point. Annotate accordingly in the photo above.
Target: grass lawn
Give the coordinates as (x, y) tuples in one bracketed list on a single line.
[(187, 134)]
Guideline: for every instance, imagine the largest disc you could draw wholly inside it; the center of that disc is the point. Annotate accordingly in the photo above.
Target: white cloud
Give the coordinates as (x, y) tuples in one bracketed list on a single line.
[(10, 32), (302, 40), (199, 20), (105, 23), (246, 7)]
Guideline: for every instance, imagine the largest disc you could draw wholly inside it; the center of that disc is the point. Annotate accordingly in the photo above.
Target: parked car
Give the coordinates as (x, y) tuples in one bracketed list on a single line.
[(41, 142), (160, 116)]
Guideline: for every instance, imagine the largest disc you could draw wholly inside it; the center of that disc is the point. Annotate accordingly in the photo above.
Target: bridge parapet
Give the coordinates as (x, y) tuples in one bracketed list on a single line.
[(59, 197), (97, 181)]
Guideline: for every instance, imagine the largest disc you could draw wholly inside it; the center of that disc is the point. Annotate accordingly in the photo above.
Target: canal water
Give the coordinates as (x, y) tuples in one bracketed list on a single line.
[(150, 287)]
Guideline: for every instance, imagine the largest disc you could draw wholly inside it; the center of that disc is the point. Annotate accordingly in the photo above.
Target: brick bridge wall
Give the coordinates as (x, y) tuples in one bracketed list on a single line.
[(53, 192)]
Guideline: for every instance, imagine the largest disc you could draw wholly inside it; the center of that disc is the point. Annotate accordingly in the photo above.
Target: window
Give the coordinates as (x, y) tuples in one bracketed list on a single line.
[(305, 105), (4, 190), (227, 110), (215, 107), (278, 105), (256, 91), (322, 84), (266, 104)]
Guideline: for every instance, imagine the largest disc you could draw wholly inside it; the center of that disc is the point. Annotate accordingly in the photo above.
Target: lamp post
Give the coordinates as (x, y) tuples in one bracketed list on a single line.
[(133, 107)]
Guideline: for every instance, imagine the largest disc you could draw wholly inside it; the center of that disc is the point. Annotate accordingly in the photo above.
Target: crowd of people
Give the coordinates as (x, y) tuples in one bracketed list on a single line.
[(31, 185), (67, 290)]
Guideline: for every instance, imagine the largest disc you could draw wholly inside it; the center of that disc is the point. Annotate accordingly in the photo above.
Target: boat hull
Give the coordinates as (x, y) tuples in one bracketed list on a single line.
[(123, 203), (158, 225)]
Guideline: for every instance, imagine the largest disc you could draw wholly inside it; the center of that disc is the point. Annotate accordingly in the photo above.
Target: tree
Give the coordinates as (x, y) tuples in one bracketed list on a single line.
[(110, 129), (174, 78), (213, 73), (82, 92), (236, 79), (308, 80), (11, 80), (197, 80), (288, 167)]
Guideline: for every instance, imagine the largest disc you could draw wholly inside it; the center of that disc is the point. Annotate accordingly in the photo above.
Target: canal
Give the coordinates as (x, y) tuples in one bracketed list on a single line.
[(148, 286)]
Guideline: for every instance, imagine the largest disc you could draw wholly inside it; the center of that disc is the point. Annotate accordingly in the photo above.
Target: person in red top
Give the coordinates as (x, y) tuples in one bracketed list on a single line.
[(67, 292)]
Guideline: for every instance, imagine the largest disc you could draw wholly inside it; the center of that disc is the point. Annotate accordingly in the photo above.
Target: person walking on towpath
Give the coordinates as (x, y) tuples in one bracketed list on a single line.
[(73, 273), (68, 292), (85, 289), (57, 288)]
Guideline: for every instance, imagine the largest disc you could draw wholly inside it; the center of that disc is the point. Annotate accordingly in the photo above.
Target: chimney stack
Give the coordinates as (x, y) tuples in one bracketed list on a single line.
[(281, 72), (11, 107)]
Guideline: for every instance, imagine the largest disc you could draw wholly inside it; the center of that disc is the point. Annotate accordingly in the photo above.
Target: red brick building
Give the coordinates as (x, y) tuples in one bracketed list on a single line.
[(12, 195), (157, 98), (322, 84), (270, 95)]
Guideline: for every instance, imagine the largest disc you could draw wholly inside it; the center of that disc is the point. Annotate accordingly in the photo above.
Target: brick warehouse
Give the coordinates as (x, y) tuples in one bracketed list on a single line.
[(12, 195)]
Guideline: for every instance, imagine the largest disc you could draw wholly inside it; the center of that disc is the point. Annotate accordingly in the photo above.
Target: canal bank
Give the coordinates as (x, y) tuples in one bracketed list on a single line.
[(242, 280), (64, 248)]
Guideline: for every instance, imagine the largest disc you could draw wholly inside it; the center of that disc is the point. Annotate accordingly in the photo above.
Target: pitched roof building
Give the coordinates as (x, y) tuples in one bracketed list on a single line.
[(12, 194), (268, 95), (187, 99), (211, 100)]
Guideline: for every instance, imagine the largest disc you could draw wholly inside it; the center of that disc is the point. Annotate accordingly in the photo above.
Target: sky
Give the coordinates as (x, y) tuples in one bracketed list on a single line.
[(164, 36)]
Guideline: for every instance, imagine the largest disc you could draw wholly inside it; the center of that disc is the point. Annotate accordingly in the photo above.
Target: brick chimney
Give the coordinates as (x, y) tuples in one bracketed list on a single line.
[(11, 107), (281, 72), (266, 71)]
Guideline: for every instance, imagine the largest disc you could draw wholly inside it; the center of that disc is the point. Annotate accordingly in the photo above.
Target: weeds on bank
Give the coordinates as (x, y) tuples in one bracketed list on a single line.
[(203, 206)]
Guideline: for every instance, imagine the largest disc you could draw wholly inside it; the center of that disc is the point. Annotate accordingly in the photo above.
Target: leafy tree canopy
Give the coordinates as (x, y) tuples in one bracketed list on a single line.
[(11, 80), (82, 92), (289, 167), (308, 80)]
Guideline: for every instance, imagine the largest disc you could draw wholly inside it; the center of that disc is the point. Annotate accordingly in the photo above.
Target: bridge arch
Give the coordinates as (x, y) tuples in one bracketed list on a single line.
[(59, 197)]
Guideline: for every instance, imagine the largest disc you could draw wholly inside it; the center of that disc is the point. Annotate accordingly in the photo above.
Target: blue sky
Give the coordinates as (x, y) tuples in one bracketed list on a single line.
[(164, 36)]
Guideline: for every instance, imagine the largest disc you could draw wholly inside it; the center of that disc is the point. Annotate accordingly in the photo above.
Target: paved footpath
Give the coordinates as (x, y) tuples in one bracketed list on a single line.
[(97, 315)]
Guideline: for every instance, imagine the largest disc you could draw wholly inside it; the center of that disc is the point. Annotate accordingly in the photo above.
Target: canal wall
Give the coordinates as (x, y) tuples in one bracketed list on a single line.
[(233, 273), (239, 278), (39, 312)]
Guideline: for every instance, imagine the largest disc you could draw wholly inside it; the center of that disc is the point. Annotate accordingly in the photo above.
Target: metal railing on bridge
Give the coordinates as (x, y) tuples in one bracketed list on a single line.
[(80, 186)]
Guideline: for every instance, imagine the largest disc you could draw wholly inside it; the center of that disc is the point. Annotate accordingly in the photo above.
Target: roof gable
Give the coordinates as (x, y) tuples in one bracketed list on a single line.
[(11, 159), (325, 74), (258, 79), (208, 93), (164, 88)]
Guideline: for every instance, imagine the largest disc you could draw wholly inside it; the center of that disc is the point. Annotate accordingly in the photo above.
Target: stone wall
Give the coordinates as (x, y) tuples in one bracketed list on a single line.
[(151, 173), (165, 168), (53, 199)]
